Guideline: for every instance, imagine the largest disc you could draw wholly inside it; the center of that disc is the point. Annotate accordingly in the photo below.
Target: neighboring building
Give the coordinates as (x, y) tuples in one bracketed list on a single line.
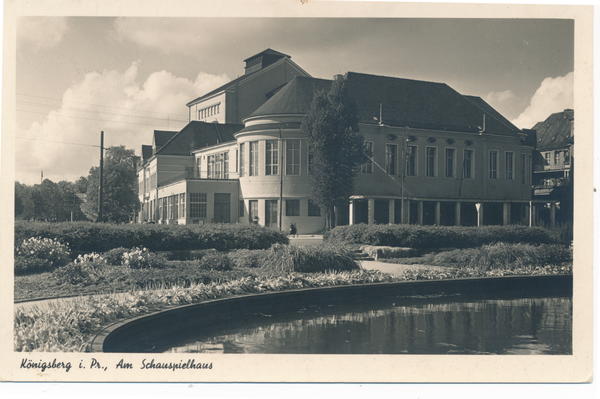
[(553, 167), (436, 157)]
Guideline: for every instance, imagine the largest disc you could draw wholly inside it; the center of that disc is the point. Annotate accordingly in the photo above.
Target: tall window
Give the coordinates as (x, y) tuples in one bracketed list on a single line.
[(272, 160), (367, 167), (197, 205), (254, 158), (450, 159), (431, 161), (292, 157), (523, 168), (242, 161), (556, 157), (226, 165), (199, 167), (218, 166), (241, 209), (160, 207), (292, 207), (165, 211), (510, 167), (175, 209), (493, 165), (468, 164), (182, 205), (313, 209), (253, 211), (547, 158), (411, 160), (390, 159)]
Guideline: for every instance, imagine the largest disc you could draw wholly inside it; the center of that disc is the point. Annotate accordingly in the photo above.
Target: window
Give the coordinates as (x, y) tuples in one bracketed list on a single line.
[(493, 165), (292, 207), (367, 167), (313, 209), (197, 205), (292, 157), (199, 167), (209, 111), (510, 166), (468, 164), (242, 161), (390, 159), (175, 209), (218, 166), (253, 158), (253, 211), (431, 161), (547, 158), (556, 157), (160, 207), (182, 205), (241, 209), (450, 159), (272, 158), (210, 167), (411, 160), (523, 168), (165, 212), (226, 165)]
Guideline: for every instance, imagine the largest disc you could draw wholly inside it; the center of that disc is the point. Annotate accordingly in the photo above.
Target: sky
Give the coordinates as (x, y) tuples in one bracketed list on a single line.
[(128, 76)]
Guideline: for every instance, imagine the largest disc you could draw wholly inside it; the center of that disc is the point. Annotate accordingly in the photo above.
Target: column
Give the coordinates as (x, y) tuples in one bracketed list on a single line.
[(404, 215), (457, 214), (336, 216), (479, 207), (392, 211), (553, 214), (438, 213), (506, 214), (530, 213), (421, 213), (351, 211), (371, 202)]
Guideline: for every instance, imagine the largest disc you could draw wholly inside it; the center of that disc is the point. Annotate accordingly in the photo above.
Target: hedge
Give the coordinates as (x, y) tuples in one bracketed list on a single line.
[(87, 237), (434, 237)]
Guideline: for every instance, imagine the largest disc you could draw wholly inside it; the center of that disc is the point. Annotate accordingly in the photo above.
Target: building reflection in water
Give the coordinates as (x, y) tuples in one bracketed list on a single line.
[(508, 326)]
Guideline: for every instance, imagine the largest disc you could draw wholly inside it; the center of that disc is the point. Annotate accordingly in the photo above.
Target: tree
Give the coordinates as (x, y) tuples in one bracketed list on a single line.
[(335, 147), (120, 187)]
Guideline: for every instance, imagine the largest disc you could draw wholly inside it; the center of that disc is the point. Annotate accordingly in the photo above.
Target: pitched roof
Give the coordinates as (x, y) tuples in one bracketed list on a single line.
[(162, 136), (555, 131), (402, 102), (421, 104), (268, 52), (199, 135), (294, 98), (146, 152)]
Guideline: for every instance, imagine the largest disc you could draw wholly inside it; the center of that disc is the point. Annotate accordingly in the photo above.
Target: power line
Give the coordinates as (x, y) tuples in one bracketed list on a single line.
[(53, 141), (99, 105), (92, 110), (91, 119)]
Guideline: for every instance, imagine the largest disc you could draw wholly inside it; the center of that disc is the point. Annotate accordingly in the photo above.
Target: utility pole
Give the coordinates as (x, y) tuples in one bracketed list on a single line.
[(280, 145), (100, 196)]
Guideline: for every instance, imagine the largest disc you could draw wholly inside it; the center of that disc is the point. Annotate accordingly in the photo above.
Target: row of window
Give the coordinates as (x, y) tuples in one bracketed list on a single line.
[(292, 208), (209, 111), (566, 156), (171, 207), (148, 183), (450, 158), (217, 166), (272, 158)]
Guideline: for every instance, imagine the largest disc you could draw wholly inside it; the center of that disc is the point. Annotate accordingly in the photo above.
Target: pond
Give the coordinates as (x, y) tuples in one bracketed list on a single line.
[(395, 325)]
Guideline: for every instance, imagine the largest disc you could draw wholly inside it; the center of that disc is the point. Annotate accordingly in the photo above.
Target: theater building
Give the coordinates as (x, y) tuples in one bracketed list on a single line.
[(435, 157)]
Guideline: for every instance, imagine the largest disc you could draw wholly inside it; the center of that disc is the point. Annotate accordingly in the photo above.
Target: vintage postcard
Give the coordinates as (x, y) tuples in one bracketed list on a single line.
[(296, 191)]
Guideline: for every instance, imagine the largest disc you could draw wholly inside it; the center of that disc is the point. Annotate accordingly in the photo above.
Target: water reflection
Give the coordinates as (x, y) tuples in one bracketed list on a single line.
[(507, 326)]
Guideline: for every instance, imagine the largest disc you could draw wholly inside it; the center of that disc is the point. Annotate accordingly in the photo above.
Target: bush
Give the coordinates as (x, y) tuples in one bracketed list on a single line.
[(86, 237), (115, 256), (142, 258), (248, 258), (434, 237), (37, 254), (285, 259), (83, 270), (215, 261)]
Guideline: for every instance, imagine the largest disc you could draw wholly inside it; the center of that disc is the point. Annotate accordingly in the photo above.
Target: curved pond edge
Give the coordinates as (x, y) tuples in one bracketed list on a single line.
[(119, 336)]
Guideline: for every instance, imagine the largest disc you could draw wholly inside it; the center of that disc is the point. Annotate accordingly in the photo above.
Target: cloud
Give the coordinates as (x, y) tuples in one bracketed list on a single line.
[(553, 95), (499, 97), (41, 33), (117, 103)]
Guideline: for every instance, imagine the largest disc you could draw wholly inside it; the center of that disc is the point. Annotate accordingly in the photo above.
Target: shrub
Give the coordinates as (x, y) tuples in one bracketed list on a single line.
[(248, 258), (86, 237), (115, 256), (284, 259), (215, 261), (142, 258), (37, 254), (85, 269), (433, 237)]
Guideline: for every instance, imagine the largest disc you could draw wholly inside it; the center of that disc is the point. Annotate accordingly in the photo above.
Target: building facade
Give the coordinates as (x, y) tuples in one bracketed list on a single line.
[(435, 157)]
